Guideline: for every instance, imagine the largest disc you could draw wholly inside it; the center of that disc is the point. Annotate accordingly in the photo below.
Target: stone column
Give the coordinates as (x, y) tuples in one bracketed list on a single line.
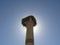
[(29, 22)]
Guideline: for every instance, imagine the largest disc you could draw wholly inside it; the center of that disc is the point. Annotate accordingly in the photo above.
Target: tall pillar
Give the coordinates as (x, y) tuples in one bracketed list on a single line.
[(29, 22)]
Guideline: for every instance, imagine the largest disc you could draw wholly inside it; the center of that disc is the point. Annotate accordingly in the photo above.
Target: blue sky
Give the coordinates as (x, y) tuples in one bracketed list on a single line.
[(46, 12)]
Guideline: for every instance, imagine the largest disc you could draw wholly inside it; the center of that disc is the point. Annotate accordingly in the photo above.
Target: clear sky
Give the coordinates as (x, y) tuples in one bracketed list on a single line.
[(46, 12)]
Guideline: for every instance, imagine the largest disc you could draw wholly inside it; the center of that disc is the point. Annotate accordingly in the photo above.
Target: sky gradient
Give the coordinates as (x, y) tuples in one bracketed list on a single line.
[(46, 12)]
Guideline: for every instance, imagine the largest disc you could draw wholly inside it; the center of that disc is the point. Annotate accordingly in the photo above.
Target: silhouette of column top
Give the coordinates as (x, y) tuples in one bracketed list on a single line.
[(29, 19)]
